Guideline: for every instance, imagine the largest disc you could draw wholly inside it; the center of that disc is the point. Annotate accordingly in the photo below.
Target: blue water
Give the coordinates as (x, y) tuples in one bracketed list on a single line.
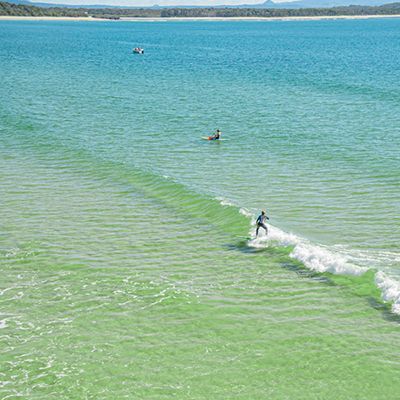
[(105, 183)]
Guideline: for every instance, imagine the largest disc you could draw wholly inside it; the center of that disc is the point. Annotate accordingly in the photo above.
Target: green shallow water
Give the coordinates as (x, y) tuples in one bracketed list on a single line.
[(100, 303), (126, 272)]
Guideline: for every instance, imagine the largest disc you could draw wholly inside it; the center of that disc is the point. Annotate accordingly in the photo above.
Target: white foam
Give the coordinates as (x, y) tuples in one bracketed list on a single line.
[(338, 259), (228, 203), (315, 257), (225, 202), (390, 290), (321, 259), (245, 212), (284, 238)]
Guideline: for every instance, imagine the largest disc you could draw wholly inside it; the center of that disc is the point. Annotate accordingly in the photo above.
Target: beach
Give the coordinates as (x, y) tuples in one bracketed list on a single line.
[(150, 19)]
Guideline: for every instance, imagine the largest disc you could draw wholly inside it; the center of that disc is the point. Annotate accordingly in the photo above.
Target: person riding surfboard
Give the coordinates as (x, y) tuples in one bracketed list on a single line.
[(260, 222)]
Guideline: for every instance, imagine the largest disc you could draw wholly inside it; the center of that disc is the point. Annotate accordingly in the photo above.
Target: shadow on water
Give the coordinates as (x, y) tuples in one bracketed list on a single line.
[(384, 308), (280, 255), (243, 247), (361, 286)]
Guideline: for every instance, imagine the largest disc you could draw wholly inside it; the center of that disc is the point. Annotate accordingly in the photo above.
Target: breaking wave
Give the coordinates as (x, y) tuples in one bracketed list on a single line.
[(333, 259)]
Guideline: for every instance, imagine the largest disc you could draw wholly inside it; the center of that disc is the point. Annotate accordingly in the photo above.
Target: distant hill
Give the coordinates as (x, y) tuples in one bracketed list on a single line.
[(321, 3), (10, 9), (266, 4)]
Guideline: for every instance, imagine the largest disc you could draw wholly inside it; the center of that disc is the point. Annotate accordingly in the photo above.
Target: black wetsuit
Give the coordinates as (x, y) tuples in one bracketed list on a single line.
[(261, 223)]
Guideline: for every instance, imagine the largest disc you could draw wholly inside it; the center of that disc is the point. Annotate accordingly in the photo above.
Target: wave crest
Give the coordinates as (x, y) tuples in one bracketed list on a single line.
[(390, 290)]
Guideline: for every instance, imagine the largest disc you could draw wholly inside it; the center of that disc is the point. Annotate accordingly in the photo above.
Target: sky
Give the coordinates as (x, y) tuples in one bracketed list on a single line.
[(148, 3)]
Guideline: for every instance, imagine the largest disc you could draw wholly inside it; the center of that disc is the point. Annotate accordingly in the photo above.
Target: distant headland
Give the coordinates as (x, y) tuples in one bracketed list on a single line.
[(8, 10)]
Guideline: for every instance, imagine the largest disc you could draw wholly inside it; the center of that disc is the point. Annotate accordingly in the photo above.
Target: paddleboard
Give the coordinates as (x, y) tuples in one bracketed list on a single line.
[(211, 140)]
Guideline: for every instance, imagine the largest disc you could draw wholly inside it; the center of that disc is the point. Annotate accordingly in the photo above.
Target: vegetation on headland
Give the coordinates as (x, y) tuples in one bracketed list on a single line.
[(9, 9), (22, 10), (390, 9)]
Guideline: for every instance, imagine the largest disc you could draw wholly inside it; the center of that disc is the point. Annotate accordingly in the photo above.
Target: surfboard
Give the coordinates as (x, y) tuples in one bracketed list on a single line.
[(211, 140)]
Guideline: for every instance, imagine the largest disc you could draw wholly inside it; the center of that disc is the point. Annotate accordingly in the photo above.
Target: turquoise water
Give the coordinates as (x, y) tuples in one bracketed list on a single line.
[(129, 263)]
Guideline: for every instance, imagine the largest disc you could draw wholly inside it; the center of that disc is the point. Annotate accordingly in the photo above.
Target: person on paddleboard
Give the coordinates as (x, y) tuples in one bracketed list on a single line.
[(216, 136), (260, 222)]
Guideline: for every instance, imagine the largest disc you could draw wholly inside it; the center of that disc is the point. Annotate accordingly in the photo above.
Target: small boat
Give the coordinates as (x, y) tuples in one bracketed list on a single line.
[(138, 50)]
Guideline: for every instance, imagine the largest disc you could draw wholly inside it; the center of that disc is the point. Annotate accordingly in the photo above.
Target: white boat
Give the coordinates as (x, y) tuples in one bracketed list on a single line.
[(138, 50)]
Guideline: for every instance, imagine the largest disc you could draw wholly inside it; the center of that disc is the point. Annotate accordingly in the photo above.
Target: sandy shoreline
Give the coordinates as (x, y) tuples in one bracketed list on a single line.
[(16, 18), (150, 19)]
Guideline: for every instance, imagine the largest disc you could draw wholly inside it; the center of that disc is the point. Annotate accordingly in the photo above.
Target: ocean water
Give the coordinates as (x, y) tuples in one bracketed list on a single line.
[(129, 263)]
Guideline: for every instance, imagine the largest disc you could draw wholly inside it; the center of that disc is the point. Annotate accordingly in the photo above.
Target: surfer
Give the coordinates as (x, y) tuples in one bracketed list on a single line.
[(260, 222), (216, 136)]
